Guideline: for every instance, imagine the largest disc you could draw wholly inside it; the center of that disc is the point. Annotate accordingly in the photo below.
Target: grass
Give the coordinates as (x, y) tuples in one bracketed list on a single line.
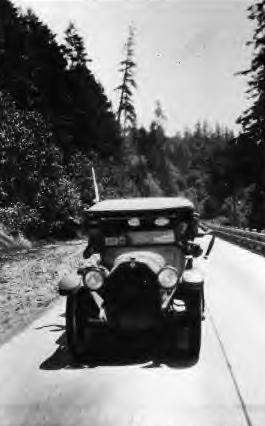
[(29, 280), (8, 242)]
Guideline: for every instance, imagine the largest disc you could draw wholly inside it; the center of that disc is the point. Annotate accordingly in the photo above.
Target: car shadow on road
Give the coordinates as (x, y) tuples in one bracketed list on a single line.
[(61, 358), (113, 354)]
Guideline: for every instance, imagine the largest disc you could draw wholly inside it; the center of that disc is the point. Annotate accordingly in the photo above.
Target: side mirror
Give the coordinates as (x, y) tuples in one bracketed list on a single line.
[(87, 252), (202, 233), (193, 250), (210, 246)]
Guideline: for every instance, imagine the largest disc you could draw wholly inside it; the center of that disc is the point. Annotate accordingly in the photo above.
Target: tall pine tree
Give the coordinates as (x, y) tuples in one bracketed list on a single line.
[(252, 140), (89, 117), (126, 112), (74, 48)]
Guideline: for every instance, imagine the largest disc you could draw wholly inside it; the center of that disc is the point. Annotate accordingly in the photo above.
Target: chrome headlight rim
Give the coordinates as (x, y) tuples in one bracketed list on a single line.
[(175, 277), (93, 278)]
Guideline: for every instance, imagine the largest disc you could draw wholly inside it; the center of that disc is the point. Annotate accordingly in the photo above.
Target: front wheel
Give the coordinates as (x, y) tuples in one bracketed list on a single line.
[(194, 338), (185, 335), (75, 332), (194, 325), (184, 340)]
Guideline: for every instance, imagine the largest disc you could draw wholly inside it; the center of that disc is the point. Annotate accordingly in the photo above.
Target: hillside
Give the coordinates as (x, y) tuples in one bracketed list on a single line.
[(56, 122)]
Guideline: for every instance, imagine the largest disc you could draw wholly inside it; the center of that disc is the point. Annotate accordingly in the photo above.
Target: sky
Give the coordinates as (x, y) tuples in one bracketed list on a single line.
[(187, 53)]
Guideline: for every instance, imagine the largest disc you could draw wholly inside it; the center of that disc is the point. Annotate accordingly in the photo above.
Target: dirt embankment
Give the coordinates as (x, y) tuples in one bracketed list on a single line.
[(28, 282)]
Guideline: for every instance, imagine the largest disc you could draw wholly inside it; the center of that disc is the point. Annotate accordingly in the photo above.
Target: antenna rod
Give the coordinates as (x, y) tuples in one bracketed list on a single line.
[(95, 185)]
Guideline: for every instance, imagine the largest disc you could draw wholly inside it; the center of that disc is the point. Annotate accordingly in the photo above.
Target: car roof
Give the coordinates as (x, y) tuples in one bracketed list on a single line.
[(142, 204)]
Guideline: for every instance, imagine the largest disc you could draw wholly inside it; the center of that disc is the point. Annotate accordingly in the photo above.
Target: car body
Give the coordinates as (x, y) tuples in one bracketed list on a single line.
[(138, 278)]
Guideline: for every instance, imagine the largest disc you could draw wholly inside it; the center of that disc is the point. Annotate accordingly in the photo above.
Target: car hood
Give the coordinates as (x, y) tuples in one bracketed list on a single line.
[(151, 259)]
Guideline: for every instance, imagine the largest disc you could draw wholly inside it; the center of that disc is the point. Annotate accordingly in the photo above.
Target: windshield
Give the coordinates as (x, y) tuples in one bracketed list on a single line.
[(132, 232), (139, 238)]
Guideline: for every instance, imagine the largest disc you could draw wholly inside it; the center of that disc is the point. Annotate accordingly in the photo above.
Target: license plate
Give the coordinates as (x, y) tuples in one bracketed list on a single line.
[(115, 241)]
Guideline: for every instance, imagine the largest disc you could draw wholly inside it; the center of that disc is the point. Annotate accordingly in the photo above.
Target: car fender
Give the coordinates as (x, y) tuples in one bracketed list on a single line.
[(192, 278), (69, 283)]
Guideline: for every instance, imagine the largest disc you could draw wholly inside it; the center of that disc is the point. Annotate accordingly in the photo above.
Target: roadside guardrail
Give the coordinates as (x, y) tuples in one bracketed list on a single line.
[(251, 240)]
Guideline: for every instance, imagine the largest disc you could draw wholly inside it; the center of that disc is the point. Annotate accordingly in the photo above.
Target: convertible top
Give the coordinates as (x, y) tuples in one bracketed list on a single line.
[(141, 204)]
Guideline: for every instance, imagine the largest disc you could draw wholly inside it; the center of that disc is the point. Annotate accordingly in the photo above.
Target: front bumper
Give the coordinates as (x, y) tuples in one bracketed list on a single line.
[(130, 322)]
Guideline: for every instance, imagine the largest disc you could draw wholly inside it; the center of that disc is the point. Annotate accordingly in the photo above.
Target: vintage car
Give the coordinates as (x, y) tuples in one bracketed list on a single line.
[(138, 278)]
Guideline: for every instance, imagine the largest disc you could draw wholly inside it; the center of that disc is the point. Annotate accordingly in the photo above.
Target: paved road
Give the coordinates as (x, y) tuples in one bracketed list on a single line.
[(40, 386)]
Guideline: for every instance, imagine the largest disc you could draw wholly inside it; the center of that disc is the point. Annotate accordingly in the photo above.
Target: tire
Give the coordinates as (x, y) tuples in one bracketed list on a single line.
[(195, 326), (185, 336), (75, 333), (194, 348), (184, 341)]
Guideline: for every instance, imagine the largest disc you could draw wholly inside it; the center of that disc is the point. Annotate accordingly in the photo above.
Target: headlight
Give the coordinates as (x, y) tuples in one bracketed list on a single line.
[(93, 279), (168, 277)]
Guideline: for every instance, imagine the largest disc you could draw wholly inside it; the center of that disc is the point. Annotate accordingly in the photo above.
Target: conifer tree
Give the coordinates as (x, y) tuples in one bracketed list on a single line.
[(126, 115), (160, 117), (74, 48), (10, 43), (88, 118), (252, 139)]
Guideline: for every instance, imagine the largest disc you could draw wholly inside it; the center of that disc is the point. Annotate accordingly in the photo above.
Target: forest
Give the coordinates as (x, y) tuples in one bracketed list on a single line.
[(56, 122)]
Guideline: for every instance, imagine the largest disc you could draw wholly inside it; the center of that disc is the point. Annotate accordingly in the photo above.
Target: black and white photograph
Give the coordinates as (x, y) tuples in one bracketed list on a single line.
[(132, 212)]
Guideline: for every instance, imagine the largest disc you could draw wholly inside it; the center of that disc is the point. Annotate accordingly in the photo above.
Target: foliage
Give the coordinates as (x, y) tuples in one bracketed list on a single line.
[(55, 80), (56, 123), (36, 193), (26, 142), (159, 172), (200, 163), (19, 217), (60, 206), (88, 119)]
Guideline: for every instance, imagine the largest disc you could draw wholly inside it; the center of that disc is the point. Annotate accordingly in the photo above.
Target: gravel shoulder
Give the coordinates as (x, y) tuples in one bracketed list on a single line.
[(29, 280)]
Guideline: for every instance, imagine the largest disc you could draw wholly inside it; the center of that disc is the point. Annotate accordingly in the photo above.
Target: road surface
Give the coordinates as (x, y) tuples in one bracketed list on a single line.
[(41, 386)]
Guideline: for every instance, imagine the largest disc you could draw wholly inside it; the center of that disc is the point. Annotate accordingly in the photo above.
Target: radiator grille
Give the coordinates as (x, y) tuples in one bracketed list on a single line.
[(132, 297)]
